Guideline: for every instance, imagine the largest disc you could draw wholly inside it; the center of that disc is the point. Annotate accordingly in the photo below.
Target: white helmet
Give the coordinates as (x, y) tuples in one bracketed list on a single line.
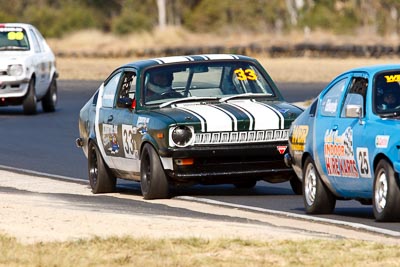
[(160, 82)]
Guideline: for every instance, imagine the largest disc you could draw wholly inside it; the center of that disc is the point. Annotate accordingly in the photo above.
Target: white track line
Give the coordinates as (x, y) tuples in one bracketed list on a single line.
[(357, 226)]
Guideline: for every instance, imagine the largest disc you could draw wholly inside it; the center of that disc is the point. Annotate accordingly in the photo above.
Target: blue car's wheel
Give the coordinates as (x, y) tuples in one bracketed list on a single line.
[(386, 200), (153, 181), (317, 198)]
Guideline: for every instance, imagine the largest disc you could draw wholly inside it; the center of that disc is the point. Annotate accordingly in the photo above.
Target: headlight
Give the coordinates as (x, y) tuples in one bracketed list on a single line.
[(15, 70), (182, 135)]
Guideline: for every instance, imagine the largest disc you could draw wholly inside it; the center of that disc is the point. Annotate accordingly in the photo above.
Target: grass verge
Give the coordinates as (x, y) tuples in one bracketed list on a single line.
[(197, 252)]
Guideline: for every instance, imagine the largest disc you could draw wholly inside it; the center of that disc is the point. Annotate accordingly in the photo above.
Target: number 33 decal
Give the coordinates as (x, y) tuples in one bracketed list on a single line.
[(247, 74)]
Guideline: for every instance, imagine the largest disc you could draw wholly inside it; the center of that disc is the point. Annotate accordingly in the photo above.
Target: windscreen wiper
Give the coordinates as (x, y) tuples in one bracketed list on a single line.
[(188, 99), (246, 95)]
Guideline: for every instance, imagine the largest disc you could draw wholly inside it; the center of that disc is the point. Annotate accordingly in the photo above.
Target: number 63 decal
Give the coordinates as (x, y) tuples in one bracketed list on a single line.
[(247, 74)]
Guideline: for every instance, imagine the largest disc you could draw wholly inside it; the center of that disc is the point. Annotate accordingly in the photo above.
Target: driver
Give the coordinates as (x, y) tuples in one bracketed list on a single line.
[(159, 85), (389, 97)]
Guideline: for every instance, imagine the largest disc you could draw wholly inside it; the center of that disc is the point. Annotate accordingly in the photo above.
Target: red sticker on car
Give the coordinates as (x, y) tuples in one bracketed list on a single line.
[(281, 149)]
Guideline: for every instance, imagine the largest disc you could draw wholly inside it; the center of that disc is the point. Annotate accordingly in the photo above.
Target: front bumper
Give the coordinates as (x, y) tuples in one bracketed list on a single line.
[(13, 88), (229, 164)]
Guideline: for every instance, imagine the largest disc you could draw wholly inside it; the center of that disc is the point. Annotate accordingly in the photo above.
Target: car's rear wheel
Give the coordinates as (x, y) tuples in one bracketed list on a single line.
[(100, 177), (386, 200), (297, 185), (153, 180), (49, 101), (29, 103), (317, 197), (245, 184)]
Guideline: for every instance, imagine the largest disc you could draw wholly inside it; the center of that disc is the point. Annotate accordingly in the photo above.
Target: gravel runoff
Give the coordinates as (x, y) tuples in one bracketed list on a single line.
[(36, 208)]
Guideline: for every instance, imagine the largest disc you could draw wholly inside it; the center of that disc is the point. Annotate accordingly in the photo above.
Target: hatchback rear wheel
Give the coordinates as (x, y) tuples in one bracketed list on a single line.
[(49, 101), (100, 177), (317, 197)]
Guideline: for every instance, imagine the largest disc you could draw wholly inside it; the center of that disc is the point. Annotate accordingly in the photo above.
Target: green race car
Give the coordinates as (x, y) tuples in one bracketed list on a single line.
[(202, 119)]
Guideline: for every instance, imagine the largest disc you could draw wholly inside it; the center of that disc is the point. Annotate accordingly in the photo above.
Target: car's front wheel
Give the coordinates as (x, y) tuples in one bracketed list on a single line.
[(317, 197), (153, 180), (49, 101), (100, 178), (29, 103), (386, 200)]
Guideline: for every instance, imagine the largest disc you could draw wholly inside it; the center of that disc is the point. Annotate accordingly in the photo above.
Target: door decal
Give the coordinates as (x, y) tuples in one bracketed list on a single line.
[(339, 154)]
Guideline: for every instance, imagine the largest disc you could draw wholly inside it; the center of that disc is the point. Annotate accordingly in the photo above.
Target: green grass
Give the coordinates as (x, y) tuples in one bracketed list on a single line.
[(197, 252)]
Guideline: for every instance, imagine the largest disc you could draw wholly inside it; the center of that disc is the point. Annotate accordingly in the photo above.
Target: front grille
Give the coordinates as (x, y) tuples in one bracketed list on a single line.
[(241, 137)]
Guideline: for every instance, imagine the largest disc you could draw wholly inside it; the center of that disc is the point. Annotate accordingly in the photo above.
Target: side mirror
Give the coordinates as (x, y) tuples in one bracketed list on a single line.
[(353, 111)]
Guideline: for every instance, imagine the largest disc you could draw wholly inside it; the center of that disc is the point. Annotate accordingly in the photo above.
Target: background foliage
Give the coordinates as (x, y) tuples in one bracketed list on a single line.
[(55, 18)]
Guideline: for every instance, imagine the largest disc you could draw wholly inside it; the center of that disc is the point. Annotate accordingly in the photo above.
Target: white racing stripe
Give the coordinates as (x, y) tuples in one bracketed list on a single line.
[(99, 104), (216, 119), (279, 114), (264, 116)]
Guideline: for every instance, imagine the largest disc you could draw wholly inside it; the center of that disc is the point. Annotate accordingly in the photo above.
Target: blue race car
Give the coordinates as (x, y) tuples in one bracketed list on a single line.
[(346, 144)]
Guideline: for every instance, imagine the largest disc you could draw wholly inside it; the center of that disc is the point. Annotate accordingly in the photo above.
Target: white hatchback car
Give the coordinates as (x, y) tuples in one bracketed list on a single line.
[(27, 68)]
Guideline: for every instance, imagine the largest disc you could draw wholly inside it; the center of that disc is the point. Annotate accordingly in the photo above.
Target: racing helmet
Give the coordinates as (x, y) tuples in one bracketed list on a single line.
[(160, 81), (385, 89)]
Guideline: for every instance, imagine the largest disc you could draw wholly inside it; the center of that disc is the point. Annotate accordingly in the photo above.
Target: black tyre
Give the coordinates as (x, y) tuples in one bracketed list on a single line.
[(386, 200), (100, 178), (29, 103), (317, 197), (49, 101), (153, 181), (245, 184), (297, 185)]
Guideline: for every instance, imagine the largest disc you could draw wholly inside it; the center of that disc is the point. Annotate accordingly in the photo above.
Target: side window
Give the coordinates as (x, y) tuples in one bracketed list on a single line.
[(330, 102), (126, 91), (109, 90), (356, 94), (35, 40)]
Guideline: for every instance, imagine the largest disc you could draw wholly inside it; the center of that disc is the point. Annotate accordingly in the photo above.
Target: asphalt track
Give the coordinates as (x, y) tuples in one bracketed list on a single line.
[(45, 143)]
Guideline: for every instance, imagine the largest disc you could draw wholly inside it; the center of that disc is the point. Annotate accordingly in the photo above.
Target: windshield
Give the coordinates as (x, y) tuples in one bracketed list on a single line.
[(13, 38), (214, 80), (387, 92)]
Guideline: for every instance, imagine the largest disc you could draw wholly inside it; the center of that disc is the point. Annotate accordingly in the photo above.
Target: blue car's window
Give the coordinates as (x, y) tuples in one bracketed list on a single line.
[(356, 94), (166, 83), (13, 38), (387, 92), (330, 101)]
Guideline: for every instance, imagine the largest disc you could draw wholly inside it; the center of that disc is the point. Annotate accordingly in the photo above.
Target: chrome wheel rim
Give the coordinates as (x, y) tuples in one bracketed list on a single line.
[(381, 191), (310, 183)]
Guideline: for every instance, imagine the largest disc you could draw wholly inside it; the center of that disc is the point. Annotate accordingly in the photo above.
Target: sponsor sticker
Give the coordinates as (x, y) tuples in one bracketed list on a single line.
[(299, 137), (109, 138), (142, 124), (281, 149), (339, 154), (382, 141), (392, 78)]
